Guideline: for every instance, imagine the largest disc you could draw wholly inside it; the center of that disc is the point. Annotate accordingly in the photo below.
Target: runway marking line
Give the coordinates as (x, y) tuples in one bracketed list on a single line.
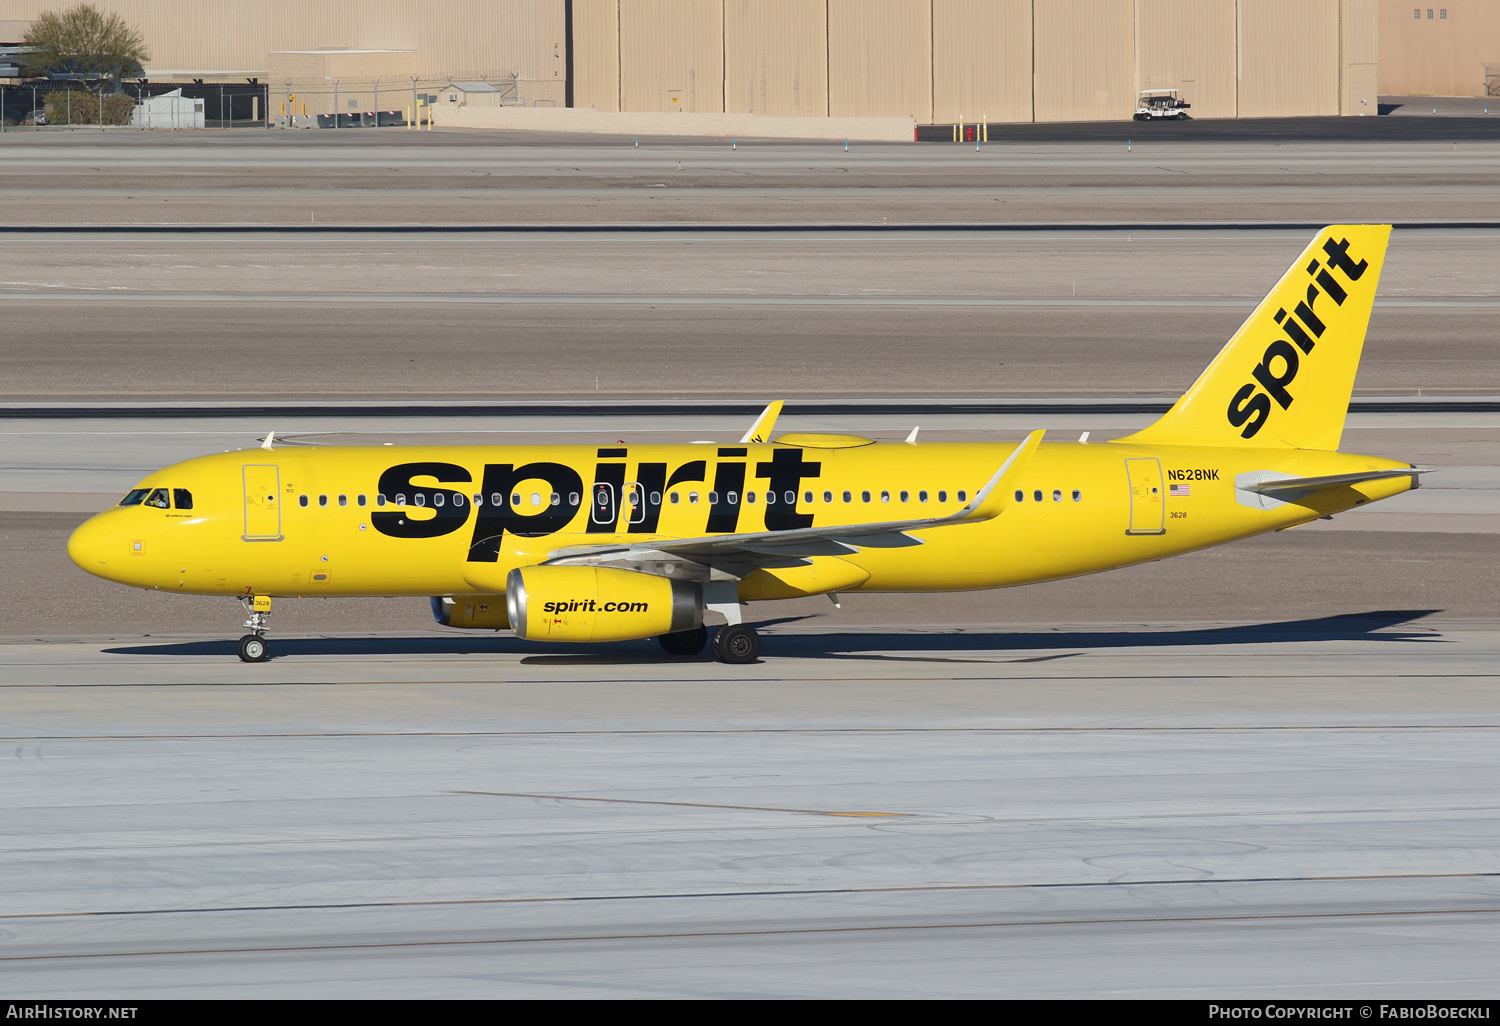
[(677, 731), (1102, 921), (687, 805)]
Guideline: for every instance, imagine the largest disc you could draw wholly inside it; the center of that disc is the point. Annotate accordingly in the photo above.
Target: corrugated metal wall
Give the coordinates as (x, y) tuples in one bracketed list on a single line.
[(187, 38), (776, 57), (880, 58), (981, 60), (1085, 60), (1359, 48), (1289, 57), (1012, 60), (1188, 45), (1437, 56), (671, 55), (596, 54)]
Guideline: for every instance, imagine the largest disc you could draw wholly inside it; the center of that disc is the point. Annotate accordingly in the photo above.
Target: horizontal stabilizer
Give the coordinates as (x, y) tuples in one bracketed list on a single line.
[(1292, 486)]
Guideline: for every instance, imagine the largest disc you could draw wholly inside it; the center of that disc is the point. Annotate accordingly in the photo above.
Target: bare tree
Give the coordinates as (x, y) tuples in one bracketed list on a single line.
[(85, 43)]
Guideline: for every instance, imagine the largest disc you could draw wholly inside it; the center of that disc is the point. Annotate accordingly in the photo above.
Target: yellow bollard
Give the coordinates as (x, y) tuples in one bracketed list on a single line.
[(986, 129), (409, 123)]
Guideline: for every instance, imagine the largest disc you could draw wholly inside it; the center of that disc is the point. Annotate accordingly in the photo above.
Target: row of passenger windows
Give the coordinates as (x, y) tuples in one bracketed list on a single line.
[(161, 498), (181, 498), (633, 497)]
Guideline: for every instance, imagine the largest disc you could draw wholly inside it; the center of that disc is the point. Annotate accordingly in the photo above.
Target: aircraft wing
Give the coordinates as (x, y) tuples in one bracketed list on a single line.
[(738, 554)]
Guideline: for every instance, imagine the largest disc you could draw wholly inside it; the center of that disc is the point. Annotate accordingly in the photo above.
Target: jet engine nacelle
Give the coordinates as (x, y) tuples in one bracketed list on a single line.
[(482, 612), (588, 603)]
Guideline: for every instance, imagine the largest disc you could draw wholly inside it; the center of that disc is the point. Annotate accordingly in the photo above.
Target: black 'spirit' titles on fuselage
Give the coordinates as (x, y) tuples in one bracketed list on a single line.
[(1251, 407), (604, 507)]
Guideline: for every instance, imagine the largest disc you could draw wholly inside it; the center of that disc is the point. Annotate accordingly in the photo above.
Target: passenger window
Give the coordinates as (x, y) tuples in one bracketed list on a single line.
[(791, 498), (360, 500), (497, 499), (1077, 495), (734, 498), (380, 498), (1057, 495), (807, 497), (437, 498), (713, 498), (1020, 495), (572, 498), (693, 498), (770, 498), (458, 498), (420, 498), (536, 498), (302, 501), (885, 496), (515, 498), (323, 500), (656, 498), (905, 496), (827, 496), (477, 499), (848, 496), (675, 498), (182, 498), (1037, 495), (963, 496), (942, 495), (749, 496), (134, 497), (865, 496), (555, 499), (343, 500), (401, 498)]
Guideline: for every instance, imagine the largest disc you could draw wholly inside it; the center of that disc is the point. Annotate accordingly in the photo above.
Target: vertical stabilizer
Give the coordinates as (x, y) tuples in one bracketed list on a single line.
[(1285, 377)]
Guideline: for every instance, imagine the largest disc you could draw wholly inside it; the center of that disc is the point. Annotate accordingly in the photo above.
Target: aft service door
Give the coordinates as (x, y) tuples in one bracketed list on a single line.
[(1148, 511), (262, 503)]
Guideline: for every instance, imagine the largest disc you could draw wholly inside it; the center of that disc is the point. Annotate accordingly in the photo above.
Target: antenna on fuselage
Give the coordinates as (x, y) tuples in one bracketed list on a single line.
[(911, 439), (270, 437)]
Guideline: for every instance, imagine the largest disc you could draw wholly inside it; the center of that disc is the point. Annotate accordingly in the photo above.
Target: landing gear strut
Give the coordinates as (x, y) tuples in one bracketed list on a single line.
[(736, 644), (253, 647), (684, 643)]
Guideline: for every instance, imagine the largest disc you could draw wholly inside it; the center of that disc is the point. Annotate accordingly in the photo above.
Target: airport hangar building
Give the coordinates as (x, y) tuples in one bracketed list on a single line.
[(930, 61)]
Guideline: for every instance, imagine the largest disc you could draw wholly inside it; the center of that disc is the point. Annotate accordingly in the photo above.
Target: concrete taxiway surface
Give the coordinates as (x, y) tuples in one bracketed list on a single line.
[(1304, 810), (1263, 770)]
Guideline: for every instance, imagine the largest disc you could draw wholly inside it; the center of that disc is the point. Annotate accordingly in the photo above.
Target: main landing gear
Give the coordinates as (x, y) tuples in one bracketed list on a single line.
[(684, 643), (736, 643), (253, 646)]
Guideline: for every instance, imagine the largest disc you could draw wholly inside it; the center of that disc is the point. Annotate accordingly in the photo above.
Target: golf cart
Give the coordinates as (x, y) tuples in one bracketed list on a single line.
[(1156, 104)]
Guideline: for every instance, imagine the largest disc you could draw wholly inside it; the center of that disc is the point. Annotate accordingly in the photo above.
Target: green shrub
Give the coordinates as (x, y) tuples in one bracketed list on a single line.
[(85, 107)]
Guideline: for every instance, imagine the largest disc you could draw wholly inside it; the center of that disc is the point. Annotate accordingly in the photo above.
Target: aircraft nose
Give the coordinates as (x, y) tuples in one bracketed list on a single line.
[(89, 546)]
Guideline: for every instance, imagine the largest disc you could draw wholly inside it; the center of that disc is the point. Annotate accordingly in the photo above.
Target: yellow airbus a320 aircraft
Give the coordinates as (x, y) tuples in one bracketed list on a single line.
[(611, 542)]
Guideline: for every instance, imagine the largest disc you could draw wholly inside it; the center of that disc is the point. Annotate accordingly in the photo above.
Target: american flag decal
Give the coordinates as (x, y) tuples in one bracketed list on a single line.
[(1180, 489)]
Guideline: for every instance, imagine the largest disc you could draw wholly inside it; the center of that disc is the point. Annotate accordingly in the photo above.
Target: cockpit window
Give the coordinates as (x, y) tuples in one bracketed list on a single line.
[(134, 497), (182, 498), (158, 498)]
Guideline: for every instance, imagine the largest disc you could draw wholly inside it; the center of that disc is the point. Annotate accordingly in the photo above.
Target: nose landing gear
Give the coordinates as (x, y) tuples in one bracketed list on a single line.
[(253, 646)]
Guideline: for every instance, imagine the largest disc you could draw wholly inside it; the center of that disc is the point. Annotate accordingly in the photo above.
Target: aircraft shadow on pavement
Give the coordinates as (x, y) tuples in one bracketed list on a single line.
[(1376, 625)]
